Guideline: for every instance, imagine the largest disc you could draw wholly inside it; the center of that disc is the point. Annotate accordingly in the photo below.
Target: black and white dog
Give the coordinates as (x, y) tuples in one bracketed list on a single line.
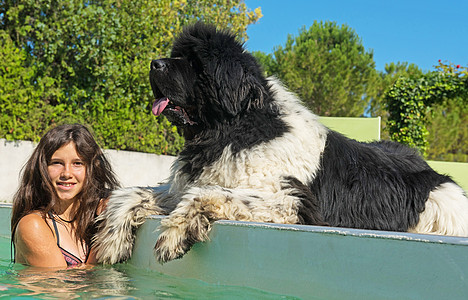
[(253, 152)]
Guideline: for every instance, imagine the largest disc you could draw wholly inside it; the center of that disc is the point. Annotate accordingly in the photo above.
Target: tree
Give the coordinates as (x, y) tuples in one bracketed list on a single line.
[(94, 57), (328, 67)]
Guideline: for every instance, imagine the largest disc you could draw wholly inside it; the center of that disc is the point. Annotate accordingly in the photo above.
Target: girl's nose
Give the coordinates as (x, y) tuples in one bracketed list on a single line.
[(66, 171)]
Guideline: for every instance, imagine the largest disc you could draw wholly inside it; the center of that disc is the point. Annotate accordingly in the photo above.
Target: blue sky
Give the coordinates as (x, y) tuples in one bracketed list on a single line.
[(414, 31)]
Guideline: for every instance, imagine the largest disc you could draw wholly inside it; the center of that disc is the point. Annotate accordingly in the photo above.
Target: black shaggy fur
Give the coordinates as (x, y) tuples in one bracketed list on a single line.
[(381, 185)]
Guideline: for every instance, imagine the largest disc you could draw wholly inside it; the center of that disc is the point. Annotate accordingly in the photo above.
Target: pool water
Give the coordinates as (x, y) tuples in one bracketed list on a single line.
[(121, 281)]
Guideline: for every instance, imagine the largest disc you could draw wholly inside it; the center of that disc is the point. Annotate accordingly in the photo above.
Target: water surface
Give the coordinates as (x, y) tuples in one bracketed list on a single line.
[(121, 281)]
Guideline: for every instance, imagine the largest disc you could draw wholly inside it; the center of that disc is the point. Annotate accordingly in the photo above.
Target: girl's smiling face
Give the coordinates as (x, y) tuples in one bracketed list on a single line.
[(67, 171)]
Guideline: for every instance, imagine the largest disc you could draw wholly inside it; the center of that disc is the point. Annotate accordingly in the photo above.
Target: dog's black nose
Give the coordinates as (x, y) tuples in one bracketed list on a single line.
[(158, 64)]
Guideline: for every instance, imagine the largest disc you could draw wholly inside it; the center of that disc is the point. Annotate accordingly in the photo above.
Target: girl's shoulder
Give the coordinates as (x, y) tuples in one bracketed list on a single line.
[(35, 242), (32, 223), (34, 216)]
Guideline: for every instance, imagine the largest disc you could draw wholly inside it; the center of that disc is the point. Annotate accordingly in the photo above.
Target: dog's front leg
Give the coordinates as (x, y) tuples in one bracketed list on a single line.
[(191, 221), (126, 210)]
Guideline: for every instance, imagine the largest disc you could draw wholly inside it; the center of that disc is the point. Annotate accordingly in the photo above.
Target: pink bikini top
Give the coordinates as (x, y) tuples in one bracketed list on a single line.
[(71, 259)]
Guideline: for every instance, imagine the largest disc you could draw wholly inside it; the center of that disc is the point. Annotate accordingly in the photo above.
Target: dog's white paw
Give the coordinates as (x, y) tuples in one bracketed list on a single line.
[(171, 244), (178, 235)]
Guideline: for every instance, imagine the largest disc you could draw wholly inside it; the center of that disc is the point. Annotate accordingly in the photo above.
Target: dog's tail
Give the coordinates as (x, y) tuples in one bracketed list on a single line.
[(445, 213), (125, 212)]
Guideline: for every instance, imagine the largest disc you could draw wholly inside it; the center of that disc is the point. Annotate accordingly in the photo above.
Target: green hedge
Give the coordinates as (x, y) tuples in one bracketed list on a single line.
[(88, 62), (410, 99), (30, 107)]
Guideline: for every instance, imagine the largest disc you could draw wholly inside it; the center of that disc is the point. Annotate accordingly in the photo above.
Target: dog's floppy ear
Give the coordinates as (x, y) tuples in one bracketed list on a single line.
[(229, 77), (237, 89)]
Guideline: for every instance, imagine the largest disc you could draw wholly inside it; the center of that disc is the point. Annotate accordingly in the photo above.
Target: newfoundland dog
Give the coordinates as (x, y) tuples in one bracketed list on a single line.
[(253, 152)]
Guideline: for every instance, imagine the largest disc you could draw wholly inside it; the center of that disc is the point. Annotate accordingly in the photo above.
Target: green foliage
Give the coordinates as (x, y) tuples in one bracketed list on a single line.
[(88, 62), (23, 102), (387, 78), (328, 67), (447, 125), (410, 99), (266, 61)]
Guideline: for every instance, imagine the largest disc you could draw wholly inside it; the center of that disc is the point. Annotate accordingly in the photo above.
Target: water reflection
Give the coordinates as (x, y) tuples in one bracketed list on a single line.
[(100, 281), (121, 281)]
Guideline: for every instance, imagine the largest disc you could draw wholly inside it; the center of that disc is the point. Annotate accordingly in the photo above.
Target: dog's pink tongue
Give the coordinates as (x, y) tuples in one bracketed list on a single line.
[(159, 105)]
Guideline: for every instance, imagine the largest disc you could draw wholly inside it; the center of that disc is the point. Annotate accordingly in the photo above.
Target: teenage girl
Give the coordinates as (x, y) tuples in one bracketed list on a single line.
[(64, 186)]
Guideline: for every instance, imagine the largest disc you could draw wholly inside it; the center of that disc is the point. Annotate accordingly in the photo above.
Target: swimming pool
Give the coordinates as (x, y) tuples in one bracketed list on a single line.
[(122, 281), (261, 260)]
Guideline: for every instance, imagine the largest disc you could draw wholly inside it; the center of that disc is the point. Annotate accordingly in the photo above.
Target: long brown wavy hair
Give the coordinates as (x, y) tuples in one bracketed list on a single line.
[(36, 192)]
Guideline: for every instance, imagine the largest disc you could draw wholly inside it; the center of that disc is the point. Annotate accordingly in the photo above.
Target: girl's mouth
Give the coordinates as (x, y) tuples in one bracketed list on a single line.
[(65, 185)]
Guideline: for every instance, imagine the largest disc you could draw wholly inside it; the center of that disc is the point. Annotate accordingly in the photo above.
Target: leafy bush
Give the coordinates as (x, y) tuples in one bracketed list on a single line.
[(88, 62), (410, 99), (447, 125)]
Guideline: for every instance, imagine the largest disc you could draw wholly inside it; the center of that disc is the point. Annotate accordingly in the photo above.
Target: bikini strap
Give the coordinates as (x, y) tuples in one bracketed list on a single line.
[(12, 251), (55, 228)]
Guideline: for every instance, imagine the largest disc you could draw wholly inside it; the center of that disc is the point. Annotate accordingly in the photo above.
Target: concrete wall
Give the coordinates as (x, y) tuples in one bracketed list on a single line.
[(131, 168), (141, 169)]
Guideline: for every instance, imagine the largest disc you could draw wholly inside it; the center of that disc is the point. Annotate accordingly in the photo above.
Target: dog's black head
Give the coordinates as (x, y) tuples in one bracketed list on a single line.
[(209, 79)]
